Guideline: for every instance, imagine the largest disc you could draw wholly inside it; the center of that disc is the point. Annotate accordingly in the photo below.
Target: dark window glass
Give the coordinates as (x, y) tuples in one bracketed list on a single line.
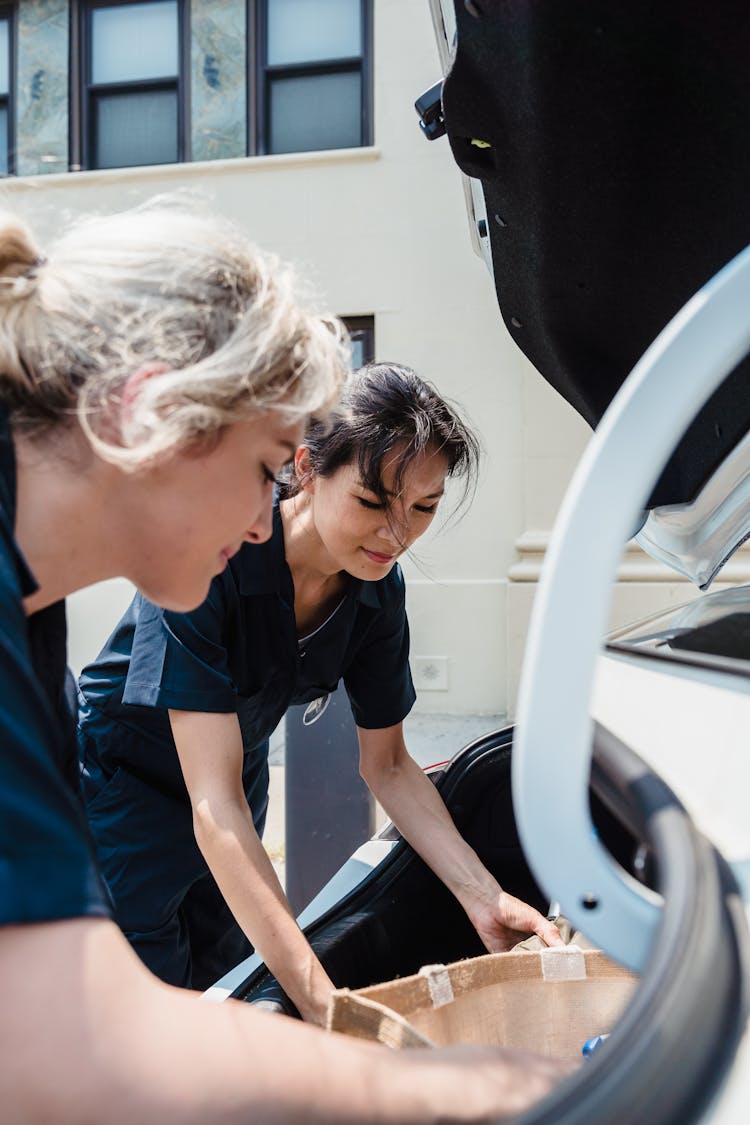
[(362, 335), (314, 85), (300, 32), (318, 111), (133, 41), (4, 56), (7, 110), (134, 129), (133, 99), (3, 139)]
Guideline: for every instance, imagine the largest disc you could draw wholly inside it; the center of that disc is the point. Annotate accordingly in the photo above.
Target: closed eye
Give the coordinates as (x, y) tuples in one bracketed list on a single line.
[(371, 505), (376, 506), (270, 477)]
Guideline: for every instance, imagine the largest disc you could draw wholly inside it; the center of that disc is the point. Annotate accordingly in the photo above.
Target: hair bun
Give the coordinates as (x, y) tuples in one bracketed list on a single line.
[(18, 254)]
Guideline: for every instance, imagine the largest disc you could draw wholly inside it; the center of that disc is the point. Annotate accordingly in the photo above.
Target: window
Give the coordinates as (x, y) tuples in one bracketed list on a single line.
[(131, 59), (313, 75), (7, 115), (362, 333)]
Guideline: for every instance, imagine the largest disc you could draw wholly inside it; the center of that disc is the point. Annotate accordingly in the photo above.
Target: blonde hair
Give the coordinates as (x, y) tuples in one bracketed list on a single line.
[(164, 283)]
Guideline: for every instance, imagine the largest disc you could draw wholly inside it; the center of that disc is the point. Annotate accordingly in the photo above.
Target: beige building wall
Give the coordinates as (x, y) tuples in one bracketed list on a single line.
[(384, 231)]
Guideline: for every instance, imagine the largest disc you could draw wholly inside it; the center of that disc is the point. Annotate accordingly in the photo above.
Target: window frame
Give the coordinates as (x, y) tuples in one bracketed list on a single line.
[(84, 92), (362, 327), (260, 73), (9, 12)]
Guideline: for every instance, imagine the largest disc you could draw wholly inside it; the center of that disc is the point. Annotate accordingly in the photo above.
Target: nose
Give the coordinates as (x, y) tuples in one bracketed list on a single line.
[(395, 530), (262, 526)]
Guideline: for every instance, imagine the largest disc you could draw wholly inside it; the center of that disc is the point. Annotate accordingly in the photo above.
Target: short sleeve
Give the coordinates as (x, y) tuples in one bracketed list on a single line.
[(378, 681), (47, 866), (180, 660)]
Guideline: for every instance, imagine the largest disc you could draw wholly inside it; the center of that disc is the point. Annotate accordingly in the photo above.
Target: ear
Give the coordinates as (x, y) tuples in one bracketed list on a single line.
[(134, 384), (303, 469)]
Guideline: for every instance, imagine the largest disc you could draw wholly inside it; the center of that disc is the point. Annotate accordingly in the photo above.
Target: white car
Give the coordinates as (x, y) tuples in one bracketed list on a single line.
[(607, 170)]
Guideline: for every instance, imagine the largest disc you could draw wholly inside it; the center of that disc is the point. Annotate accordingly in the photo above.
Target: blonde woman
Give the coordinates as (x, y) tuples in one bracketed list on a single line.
[(156, 372)]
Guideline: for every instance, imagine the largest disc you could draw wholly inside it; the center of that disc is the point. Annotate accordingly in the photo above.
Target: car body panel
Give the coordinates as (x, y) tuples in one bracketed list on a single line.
[(692, 727)]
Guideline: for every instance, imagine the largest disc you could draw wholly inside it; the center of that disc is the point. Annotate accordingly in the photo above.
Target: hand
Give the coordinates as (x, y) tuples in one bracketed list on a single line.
[(503, 921)]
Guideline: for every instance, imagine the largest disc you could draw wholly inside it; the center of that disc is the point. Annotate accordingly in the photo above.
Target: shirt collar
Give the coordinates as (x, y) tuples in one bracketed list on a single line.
[(26, 579), (7, 469), (368, 593), (261, 568)]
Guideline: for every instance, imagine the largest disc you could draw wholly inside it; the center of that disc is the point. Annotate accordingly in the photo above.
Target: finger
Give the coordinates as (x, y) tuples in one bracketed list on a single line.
[(548, 932), (497, 944)]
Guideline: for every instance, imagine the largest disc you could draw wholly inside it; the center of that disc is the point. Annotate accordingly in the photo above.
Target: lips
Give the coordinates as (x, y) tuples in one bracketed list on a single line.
[(227, 553), (377, 557)]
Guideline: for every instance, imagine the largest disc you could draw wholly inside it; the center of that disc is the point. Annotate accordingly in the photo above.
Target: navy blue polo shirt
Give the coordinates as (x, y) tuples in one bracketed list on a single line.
[(47, 867), (239, 652)]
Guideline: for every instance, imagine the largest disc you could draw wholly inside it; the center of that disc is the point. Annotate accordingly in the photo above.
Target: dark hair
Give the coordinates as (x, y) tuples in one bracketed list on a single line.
[(384, 407)]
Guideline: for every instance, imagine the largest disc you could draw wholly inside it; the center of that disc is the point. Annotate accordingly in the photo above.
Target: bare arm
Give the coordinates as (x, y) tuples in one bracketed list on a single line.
[(210, 751), (415, 806), (89, 1037)]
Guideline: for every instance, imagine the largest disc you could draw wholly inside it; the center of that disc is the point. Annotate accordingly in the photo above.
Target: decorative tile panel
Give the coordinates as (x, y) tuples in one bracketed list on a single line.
[(218, 52), (42, 82)]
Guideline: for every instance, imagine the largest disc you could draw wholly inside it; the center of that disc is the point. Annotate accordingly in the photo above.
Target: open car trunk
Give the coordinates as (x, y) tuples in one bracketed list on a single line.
[(677, 1036), (604, 148)]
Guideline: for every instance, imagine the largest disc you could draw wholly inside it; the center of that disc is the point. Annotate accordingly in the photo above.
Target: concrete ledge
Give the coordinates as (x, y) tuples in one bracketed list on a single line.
[(636, 565), (186, 169)]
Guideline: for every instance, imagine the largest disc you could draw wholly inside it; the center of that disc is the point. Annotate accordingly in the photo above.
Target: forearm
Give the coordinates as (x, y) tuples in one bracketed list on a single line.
[(410, 798), (211, 754), (250, 886), (418, 811), (87, 1035)]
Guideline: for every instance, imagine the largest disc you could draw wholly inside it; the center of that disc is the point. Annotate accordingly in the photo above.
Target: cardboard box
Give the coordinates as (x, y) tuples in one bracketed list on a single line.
[(550, 1001)]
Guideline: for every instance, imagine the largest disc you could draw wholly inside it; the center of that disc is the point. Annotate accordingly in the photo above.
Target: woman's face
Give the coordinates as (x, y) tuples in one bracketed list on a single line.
[(361, 535), (191, 514)]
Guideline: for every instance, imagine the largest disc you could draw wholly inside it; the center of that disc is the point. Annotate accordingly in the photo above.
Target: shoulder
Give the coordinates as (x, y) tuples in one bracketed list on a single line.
[(394, 584), (16, 580), (12, 616), (12, 569), (258, 568), (388, 594), (213, 610)]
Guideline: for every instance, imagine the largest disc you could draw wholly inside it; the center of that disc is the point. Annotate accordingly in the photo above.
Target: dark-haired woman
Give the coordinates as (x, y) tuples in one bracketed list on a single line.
[(177, 709)]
